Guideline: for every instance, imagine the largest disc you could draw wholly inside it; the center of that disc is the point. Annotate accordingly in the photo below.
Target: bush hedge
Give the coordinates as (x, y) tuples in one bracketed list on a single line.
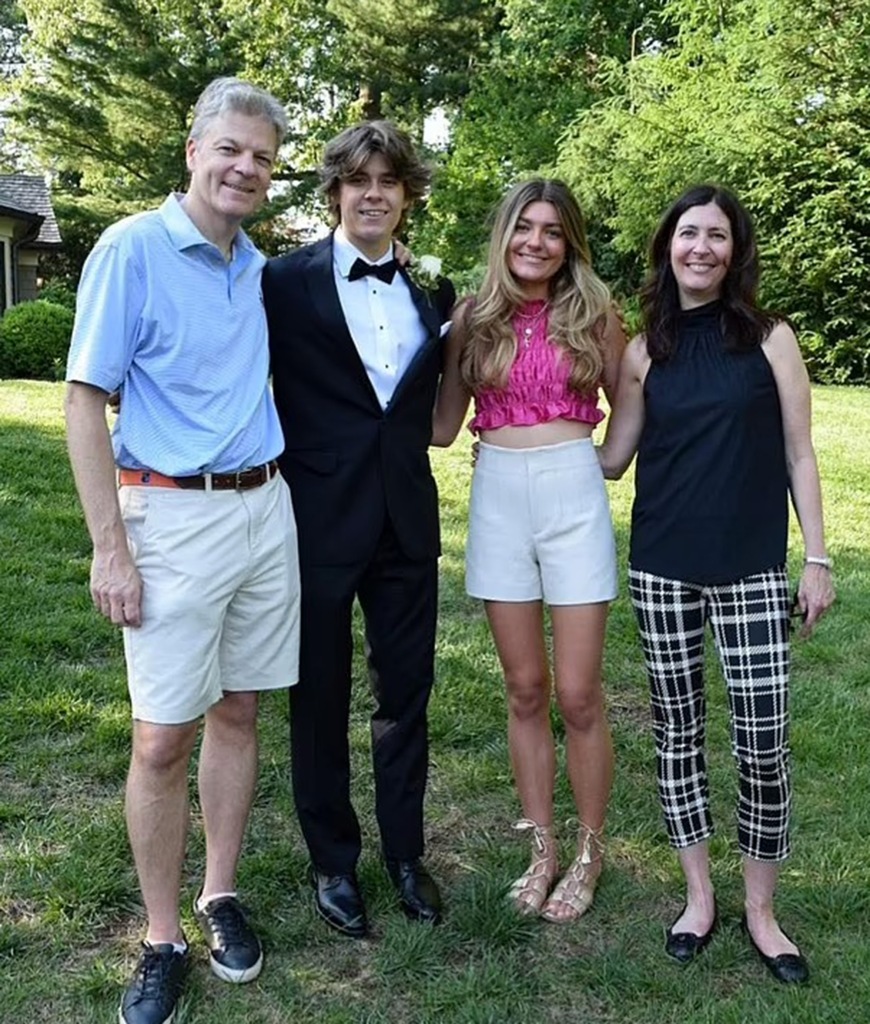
[(59, 293), (34, 340)]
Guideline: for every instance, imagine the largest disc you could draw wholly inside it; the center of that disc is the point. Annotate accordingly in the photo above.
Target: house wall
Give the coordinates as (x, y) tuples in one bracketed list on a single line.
[(24, 288), (27, 274), (7, 232)]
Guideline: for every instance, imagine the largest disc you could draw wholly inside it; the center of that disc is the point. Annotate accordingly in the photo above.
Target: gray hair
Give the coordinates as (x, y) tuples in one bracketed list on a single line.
[(232, 95)]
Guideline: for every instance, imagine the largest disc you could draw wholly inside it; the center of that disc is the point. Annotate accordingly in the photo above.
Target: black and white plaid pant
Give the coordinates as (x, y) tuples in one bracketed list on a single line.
[(750, 623)]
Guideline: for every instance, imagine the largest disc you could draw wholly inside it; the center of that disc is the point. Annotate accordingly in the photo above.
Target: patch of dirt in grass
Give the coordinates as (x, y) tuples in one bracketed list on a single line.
[(18, 911), (625, 711), (55, 792)]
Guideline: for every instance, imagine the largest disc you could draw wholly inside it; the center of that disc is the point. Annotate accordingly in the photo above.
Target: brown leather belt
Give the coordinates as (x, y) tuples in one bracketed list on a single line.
[(244, 480)]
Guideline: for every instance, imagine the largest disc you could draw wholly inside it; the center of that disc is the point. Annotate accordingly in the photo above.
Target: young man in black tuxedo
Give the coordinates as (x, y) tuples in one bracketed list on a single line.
[(356, 356)]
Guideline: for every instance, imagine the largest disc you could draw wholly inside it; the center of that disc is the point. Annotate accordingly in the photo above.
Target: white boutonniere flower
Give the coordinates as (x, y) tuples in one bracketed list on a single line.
[(425, 272)]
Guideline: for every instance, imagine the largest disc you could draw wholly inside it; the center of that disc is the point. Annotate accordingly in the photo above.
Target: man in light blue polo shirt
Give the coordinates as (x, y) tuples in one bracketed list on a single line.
[(193, 531)]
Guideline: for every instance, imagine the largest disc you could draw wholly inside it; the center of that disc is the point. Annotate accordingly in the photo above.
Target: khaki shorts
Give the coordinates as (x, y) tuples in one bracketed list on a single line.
[(539, 526), (220, 597)]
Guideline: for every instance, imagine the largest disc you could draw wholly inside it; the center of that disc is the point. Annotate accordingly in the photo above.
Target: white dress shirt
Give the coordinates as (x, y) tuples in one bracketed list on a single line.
[(382, 318)]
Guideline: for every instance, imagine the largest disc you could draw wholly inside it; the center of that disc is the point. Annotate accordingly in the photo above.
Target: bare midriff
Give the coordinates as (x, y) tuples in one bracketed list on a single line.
[(537, 435)]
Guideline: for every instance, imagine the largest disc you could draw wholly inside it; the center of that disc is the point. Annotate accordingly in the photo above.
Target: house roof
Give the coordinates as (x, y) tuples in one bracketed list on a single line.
[(27, 195)]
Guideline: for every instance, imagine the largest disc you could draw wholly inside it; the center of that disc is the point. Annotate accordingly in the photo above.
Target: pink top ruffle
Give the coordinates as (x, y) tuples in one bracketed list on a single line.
[(537, 389)]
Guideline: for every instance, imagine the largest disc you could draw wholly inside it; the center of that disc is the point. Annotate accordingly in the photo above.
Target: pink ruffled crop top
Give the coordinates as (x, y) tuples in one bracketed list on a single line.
[(537, 389)]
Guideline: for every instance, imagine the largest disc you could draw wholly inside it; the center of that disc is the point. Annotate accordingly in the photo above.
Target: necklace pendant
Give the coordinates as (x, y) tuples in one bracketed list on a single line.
[(527, 336)]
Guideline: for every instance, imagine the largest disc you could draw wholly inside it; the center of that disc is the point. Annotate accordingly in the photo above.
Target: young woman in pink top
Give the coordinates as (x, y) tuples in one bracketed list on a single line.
[(533, 348)]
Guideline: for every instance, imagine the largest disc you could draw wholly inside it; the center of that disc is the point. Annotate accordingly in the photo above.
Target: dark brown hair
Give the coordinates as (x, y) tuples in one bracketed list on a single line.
[(744, 324)]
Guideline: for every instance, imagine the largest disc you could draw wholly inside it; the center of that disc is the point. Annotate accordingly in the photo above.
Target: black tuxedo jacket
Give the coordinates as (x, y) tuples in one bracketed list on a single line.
[(352, 466)]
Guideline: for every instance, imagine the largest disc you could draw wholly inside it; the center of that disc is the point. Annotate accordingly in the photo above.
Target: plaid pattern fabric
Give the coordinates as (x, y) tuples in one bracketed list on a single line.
[(750, 623)]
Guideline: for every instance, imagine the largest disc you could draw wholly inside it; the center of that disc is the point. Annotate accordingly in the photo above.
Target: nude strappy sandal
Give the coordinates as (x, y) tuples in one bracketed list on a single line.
[(530, 890), (576, 888)]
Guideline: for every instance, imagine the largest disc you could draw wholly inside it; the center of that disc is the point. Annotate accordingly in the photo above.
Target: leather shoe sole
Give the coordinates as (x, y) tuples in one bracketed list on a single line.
[(338, 901), (419, 897), (685, 946), (789, 968)]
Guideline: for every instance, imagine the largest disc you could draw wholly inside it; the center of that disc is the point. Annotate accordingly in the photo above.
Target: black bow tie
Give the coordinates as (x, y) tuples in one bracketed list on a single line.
[(383, 271)]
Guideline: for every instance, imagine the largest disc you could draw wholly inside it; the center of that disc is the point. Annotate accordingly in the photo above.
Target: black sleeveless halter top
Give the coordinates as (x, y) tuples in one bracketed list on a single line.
[(711, 487)]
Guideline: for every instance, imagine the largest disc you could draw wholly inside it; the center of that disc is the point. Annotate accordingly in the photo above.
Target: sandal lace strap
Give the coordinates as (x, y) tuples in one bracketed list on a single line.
[(590, 843), (575, 891), (542, 835)]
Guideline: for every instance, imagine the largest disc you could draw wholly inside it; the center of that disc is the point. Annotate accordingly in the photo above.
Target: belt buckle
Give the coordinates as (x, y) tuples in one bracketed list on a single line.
[(246, 479)]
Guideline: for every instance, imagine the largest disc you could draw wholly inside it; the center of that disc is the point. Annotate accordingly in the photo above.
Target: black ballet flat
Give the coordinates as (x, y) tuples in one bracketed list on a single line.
[(789, 968), (685, 946)]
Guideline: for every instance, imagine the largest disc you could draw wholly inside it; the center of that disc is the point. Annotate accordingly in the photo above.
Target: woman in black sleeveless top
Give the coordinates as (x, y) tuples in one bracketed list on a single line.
[(715, 399)]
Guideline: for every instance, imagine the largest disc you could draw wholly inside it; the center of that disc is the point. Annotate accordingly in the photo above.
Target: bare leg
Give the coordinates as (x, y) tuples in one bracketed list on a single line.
[(157, 817), (578, 644), (578, 641), (759, 877), (518, 632), (227, 777), (697, 918)]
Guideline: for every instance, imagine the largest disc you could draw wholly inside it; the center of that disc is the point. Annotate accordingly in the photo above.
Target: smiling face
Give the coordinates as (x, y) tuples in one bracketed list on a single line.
[(230, 166), (370, 204), (701, 249), (537, 248)]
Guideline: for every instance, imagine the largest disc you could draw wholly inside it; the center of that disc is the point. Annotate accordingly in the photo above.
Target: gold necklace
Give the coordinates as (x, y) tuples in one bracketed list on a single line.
[(532, 321)]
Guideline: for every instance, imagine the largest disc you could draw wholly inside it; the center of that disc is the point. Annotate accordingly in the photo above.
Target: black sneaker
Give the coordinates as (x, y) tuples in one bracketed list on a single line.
[(154, 989), (236, 953)]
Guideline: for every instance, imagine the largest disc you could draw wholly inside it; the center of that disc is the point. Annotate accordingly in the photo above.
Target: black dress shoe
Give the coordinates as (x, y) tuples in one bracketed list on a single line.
[(790, 968), (338, 901), (685, 946), (418, 894)]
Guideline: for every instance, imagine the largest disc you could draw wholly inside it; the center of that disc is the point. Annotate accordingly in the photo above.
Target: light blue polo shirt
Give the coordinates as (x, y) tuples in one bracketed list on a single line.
[(182, 332)]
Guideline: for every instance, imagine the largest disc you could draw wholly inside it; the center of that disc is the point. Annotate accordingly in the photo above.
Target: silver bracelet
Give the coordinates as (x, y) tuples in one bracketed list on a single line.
[(818, 560)]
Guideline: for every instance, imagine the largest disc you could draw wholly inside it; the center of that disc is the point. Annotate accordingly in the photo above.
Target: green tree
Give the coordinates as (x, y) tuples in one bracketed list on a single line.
[(406, 59), (106, 89), (12, 27), (340, 61), (108, 86), (772, 100), (104, 99), (538, 72)]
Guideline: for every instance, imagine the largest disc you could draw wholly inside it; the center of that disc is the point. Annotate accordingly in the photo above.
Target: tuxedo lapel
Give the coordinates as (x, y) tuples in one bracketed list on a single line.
[(327, 306), (320, 280), (324, 294), (426, 307), (430, 314)]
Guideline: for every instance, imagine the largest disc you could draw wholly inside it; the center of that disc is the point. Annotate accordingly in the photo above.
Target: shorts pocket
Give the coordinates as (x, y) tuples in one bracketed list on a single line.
[(136, 509)]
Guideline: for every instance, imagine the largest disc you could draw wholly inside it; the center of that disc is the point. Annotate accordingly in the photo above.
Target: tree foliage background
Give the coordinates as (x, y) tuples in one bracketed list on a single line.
[(631, 101), (772, 100)]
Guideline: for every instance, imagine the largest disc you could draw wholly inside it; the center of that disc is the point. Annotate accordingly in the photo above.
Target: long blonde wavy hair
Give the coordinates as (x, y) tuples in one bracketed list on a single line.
[(578, 299)]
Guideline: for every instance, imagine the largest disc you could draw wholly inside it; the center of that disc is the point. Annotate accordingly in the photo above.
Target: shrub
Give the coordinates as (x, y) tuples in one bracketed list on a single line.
[(34, 340), (59, 293)]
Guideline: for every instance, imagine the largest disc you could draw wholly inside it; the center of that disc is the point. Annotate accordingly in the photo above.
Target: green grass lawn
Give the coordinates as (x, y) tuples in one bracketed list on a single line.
[(70, 917)]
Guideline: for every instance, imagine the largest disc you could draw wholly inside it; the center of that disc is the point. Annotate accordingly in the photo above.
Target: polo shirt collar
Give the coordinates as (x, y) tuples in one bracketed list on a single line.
[(185, 234)]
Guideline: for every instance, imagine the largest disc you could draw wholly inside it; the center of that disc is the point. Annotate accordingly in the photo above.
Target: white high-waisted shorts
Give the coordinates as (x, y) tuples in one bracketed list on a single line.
[(540, 527)]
